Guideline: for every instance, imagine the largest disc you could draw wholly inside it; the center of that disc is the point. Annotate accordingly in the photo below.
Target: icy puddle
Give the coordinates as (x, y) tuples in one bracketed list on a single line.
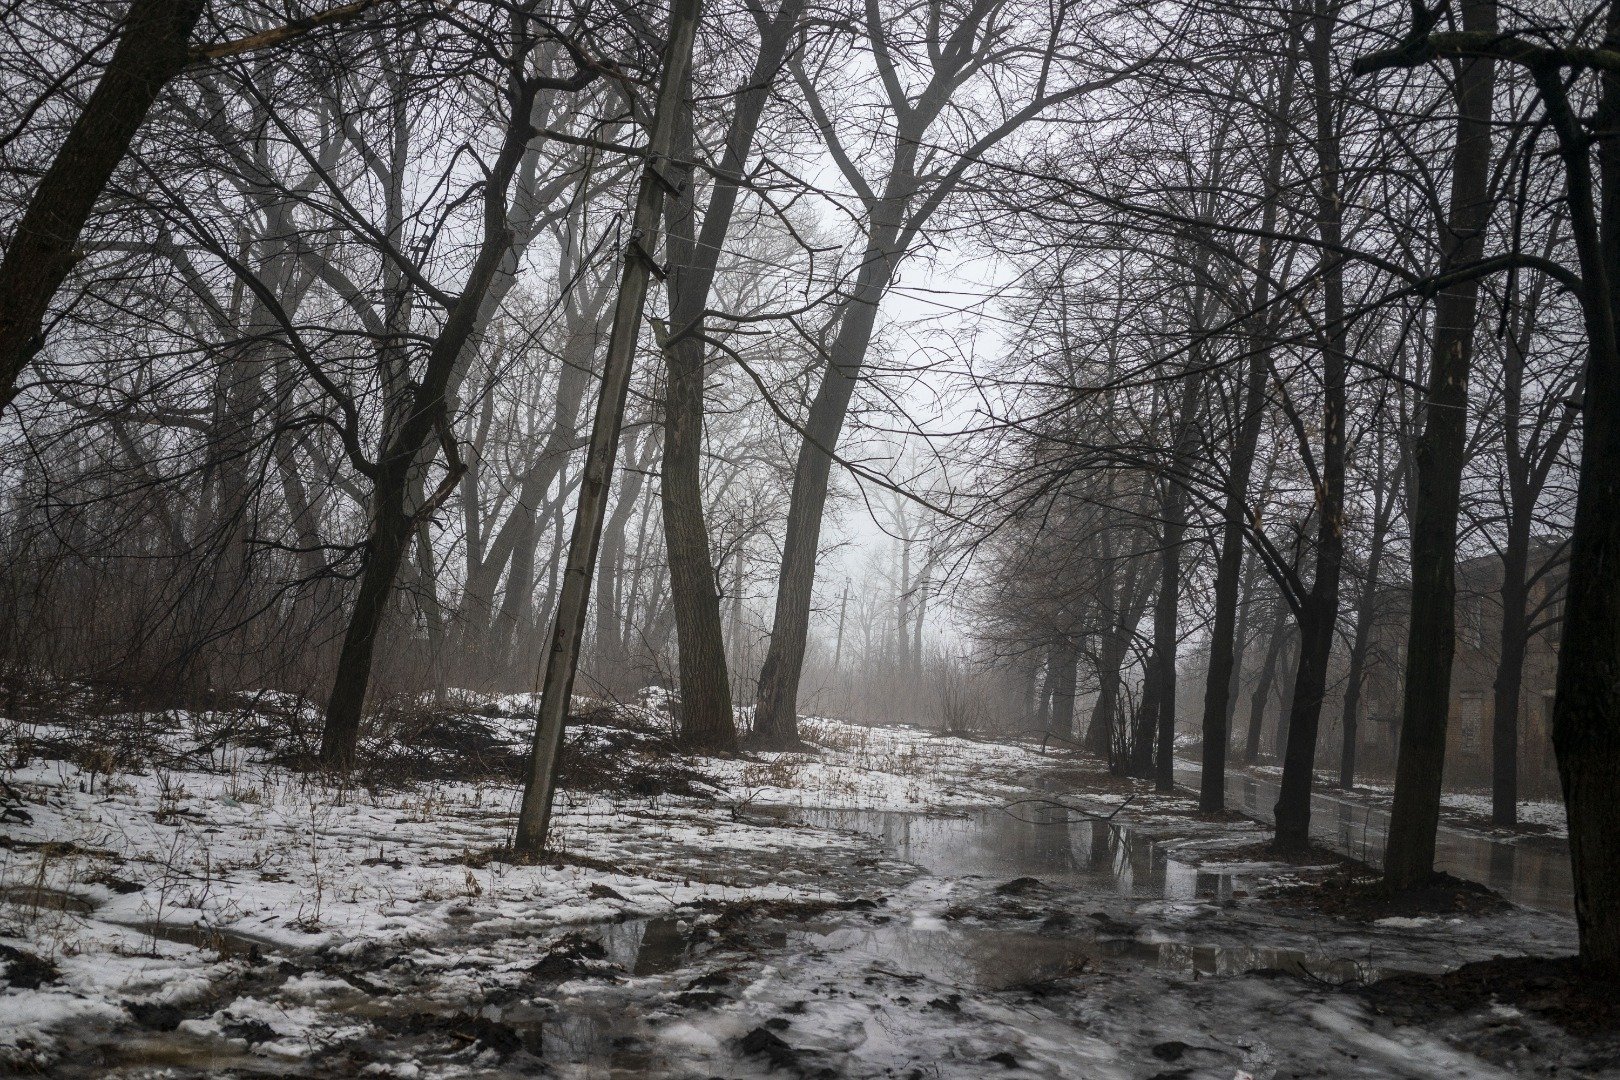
[(1051, 948), (1030, 858), (995, 959), (995, 845)]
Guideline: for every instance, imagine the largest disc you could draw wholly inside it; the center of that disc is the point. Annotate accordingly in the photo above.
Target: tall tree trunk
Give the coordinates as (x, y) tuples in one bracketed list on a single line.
[(706, 720), (1062, 679), (1438, 460), (775, 711), (393, 510), (706, 717), (1586, 707), (1220, 684), (153, 47), (1319, 609)]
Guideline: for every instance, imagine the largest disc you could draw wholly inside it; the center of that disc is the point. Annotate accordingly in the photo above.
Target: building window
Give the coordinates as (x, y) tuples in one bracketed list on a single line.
[(1473, 717)]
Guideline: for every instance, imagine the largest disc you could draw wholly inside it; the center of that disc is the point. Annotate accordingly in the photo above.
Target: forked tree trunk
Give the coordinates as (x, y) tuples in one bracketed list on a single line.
[(393, 480), (1225, 646), (775, 712), (706, 720), (153, 47), (1220, 683), (706, 717), (1438, 460)]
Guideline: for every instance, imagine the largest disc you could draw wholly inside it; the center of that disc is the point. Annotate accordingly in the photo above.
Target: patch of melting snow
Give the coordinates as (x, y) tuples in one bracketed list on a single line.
[(1031, 948)]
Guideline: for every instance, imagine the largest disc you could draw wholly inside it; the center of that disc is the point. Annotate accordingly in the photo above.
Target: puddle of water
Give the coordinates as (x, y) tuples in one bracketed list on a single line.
[(229, 944), (174, 1055), (1091, 855), (42, 898), (646, 946), (998, 959), (995, 845)]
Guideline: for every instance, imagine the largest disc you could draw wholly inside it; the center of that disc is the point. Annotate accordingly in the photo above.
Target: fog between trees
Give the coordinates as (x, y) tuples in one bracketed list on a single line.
[(372, 350)]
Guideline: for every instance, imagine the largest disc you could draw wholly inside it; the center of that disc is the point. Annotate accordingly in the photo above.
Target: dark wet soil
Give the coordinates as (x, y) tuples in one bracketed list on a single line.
[(1357, 892), (1518, 1011), (1550, 988)]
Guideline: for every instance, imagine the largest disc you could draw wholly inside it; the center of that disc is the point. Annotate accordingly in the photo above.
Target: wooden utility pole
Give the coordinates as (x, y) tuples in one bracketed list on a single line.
[(838, 646), (562, 658)]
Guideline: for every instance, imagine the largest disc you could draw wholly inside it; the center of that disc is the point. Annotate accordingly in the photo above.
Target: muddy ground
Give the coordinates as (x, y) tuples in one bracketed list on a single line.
[(891, 904)]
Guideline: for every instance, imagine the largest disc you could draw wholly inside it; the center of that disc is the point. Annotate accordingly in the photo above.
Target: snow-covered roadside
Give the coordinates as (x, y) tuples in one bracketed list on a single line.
[(160, 887), (305, 930), (1468, 810)]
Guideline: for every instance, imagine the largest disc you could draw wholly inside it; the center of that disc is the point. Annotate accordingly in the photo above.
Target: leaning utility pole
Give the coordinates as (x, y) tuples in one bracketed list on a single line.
[(562, 659), (838, 648)]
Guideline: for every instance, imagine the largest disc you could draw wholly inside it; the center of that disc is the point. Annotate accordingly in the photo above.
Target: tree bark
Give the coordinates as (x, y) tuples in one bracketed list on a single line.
[(706, 717), (152, 49), (1220, 684), (393, 479), (775, 712), (1319, 609), (1262, 687), (1064, 659), (1586, 706), (1438, 460)]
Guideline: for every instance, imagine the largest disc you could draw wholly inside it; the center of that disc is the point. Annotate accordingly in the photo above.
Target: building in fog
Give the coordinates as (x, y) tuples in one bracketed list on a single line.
[(1473, 679)]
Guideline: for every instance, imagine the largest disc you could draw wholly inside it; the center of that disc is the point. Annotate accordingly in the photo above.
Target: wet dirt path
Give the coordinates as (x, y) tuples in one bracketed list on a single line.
[(985, 944)]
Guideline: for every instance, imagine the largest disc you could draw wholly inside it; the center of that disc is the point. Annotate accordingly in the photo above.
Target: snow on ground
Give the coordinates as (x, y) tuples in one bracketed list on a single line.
[(881, 768), (222, 849), (864, 909)]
